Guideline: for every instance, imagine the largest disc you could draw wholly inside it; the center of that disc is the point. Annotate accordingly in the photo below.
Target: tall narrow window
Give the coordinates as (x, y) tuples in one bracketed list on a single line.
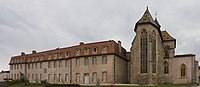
[(104, 60), (66, 63), (60, 63), (94, 77), (49, 64), (166, 67), (183, 70), (40, 77), (54, 64), (54, 77), (86, 62), (94, 60), (35, 65), (49, 77), (143, 49), (40, 65), (153, 52), (66, 77), (77, 62), (104, 76), (77, 77), (60, 77)]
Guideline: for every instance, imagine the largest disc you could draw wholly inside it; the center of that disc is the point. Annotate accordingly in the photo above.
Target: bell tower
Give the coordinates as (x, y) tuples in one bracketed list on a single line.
[(146, 51)]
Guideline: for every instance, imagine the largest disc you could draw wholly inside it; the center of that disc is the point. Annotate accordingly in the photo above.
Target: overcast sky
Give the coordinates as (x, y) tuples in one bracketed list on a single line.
[(40, 25)]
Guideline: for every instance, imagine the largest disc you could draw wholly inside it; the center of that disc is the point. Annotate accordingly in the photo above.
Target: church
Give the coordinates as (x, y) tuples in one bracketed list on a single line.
[(151, 60)]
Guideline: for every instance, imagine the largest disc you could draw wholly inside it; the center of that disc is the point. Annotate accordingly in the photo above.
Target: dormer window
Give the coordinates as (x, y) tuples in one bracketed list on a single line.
[(78, 51)]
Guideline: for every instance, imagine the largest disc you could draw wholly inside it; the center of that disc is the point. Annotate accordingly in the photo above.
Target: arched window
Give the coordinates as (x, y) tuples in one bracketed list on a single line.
[(166, 67), (153, 36), (143, 50), (183, 70)]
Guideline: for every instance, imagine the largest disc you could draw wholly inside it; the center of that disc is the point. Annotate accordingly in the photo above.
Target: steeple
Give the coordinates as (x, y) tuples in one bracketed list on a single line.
[(147, 19)]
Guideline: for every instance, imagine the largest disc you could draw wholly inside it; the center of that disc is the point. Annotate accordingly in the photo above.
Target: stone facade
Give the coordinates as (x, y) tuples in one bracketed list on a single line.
[(82, 64), (151, 60)]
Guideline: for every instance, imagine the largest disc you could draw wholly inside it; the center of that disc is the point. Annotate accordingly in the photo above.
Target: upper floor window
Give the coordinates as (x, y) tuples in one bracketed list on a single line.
[(66, 63), (41, 58), (55, 56), (49, 56), (94, 77), (77, 77), (94, 50), (60, 63), (54, 64), (77, 62), (104, 60), (66, 54), (94, 60), (86, 62), (60, 55), (87, 51), (78, 51), (40, 65), (104, 49), (49, 64)]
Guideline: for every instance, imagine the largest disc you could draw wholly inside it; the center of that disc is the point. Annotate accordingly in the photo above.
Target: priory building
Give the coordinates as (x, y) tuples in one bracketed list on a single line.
[(150, 60)]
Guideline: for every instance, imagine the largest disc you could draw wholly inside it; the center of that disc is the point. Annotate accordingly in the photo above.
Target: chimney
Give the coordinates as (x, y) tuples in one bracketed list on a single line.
[(81, 43), (33, 52), (22, 53), (120, 47)]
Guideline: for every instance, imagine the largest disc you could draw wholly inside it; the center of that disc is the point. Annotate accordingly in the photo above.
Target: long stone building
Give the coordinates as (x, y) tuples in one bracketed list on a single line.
[(151, 60)]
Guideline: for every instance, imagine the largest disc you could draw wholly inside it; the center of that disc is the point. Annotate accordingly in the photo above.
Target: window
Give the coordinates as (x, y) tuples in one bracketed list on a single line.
[(67, 54), (50, 55), (17, 66), (40, 77), (49, 64), (104, 60), (104, 49), (66, 63), (29, 66), (35, 65), (153, 45), (32, 65), (183, 70), (20, 66), (77, 62), (55, 56), (36, 76), (60, 77), (49, 77), (54, 64), (66, 77), (78, 51), (87, 51), (86, 62), (32, 76), (143, 50), (77, 77), (94, 60), (94, 77), (28, 76), (40, 65), (60, 63), (60, 55), (104, 76), (166, 67), (54, 77), (94, 50), (11, 67)]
